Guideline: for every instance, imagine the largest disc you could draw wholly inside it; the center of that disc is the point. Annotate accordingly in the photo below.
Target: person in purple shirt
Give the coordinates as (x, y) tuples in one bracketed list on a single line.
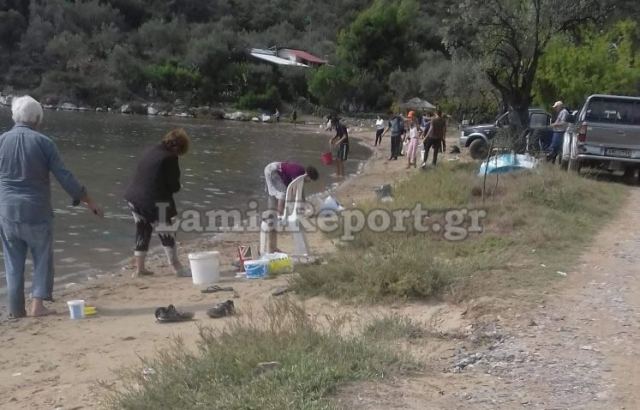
[(278, 176), (27, 159)]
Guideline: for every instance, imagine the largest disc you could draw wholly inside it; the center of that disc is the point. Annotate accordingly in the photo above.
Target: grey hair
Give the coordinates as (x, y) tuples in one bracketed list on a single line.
[(26, 110)]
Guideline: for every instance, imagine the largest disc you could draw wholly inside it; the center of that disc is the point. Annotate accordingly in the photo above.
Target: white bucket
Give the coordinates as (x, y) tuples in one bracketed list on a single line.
[(76, 309), (205, 267)]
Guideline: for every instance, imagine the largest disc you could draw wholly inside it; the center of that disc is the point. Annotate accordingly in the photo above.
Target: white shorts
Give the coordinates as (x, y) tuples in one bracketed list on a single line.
[(275, 185)]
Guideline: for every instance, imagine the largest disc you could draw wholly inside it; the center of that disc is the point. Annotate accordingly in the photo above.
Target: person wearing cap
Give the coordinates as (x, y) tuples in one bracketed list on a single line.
[(559, 127)]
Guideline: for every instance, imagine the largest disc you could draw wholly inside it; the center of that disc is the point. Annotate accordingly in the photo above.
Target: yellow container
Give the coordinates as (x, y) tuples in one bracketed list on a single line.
[(279, 263)]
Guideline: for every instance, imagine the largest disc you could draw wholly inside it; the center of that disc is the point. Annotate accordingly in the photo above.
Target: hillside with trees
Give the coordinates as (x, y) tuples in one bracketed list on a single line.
[(473, 57)]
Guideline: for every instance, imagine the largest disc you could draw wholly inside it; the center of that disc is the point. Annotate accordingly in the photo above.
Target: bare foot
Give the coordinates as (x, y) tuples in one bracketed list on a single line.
[(41, 311), (181, 271)]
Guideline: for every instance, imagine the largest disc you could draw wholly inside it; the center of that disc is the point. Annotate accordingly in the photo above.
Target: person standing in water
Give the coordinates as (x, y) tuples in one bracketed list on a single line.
[(294, 117), (27, 158), (150, 198), (340, 144)]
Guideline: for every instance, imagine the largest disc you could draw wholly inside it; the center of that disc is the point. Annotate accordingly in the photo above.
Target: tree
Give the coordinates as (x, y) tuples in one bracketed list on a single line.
[(331, 85), (507, 39), (378, 40), (607, 63)]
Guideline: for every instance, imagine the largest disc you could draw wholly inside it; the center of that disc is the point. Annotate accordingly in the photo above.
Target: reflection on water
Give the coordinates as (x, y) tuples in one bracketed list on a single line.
[(223, 170)]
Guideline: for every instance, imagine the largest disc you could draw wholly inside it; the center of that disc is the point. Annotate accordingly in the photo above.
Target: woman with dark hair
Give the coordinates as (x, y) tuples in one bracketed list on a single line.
[(150, 198), (340, 145)]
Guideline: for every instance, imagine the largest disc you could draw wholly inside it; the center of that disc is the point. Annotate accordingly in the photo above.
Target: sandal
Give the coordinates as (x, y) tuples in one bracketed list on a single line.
[(281, 291), (222, 309), (170, 314), (216, 288)]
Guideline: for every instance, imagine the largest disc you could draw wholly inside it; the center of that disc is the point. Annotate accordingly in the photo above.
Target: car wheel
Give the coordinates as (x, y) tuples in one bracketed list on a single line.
[(478, 149)]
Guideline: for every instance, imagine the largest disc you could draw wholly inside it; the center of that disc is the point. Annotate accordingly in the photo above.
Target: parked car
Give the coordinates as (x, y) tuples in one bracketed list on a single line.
[(477, 137), (605, 134)]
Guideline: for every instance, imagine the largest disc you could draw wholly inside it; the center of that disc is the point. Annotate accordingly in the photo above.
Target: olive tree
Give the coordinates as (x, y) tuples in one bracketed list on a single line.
[(507, 39)]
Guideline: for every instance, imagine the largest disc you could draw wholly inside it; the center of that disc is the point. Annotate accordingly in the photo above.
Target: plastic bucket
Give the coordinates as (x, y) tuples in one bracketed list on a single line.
[(76, 309), (256, 269), (326, 158), (205, 267)]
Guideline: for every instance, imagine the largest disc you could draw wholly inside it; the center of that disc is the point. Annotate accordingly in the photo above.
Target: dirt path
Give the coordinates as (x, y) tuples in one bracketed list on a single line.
[(578, 349)]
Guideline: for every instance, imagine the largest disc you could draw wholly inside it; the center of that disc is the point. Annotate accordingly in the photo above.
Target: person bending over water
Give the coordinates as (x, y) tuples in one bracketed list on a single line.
[(278, 176), (26, 216), (150, 198)]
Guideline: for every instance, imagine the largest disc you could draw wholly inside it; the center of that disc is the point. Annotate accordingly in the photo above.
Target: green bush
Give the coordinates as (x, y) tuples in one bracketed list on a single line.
[(269, 100), (170, 76)]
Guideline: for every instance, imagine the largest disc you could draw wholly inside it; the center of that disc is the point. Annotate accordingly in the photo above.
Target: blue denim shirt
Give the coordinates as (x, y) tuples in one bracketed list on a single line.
[(26, 159)]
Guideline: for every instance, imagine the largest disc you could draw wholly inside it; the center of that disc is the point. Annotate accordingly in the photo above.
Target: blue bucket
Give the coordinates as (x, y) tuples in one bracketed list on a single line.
[(256, 269)]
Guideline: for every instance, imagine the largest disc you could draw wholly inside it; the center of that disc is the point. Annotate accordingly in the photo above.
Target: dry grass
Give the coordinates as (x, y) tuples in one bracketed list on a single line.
[(311, 362), (542, 217)]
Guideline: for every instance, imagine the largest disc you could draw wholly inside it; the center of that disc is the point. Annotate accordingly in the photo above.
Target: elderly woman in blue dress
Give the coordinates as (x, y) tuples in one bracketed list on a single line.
[(27, 158)]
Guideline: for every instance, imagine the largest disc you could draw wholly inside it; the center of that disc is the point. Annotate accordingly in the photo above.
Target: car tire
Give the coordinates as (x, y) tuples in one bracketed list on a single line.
[(478, 149)]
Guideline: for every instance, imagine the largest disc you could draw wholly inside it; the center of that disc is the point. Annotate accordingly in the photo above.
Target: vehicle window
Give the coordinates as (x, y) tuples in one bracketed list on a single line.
[(538, 120), (613, 111)]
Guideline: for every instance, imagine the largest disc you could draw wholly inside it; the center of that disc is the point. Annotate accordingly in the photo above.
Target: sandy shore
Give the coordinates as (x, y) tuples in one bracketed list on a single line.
[(54, 362)]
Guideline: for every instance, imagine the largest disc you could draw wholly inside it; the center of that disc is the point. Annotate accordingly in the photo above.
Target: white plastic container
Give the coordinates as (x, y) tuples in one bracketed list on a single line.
[(205, 267), (76, 309)]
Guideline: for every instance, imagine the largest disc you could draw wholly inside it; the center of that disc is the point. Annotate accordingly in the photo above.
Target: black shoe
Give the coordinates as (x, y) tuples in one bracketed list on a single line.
[(171, 314), (221, 310)]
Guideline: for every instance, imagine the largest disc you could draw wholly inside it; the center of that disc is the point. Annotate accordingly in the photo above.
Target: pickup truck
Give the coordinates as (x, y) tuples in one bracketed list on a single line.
[(476, 137), (605, 134)]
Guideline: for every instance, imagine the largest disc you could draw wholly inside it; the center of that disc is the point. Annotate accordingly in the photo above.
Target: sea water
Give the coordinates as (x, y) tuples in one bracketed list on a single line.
[(223, 170)]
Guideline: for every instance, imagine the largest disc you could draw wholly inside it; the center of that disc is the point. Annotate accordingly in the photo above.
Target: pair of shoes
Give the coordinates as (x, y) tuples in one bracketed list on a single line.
[(171, 314), (221, 309)]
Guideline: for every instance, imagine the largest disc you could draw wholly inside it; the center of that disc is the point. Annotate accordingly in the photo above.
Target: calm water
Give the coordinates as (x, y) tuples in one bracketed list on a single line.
[(223, 170)]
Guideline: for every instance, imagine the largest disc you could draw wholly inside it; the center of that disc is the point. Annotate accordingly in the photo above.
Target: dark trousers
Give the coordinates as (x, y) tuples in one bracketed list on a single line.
[(396, 146), (432, 143), (378, 137), (144, 230)]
